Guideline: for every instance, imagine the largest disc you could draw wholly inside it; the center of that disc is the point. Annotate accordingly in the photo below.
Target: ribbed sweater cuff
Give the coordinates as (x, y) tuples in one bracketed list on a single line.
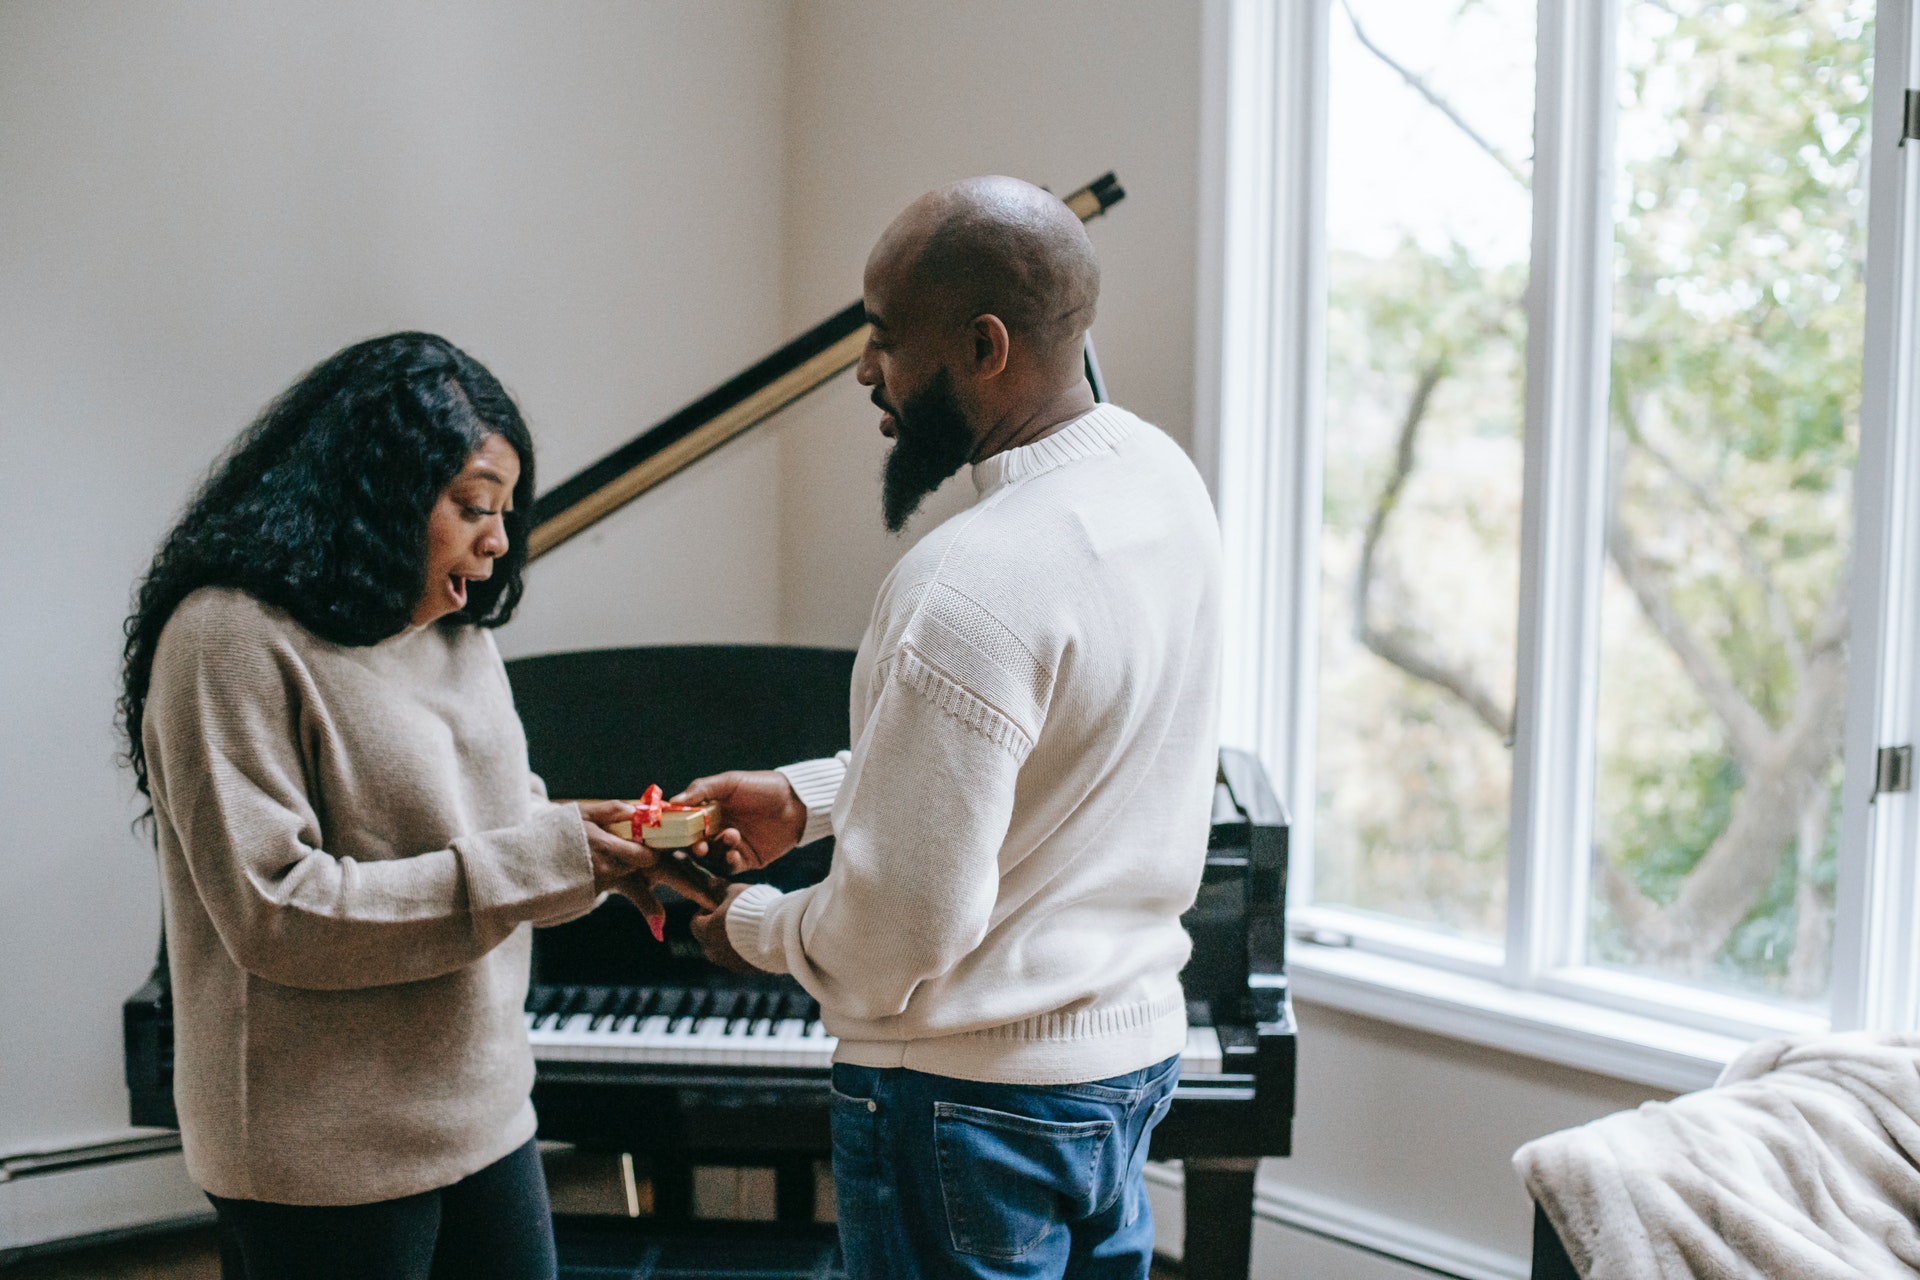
[(748, 921), (538, 871), (817, 783)]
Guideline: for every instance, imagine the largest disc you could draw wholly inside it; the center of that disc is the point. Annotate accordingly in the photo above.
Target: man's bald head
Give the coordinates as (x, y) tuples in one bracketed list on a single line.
[(1002, 247)]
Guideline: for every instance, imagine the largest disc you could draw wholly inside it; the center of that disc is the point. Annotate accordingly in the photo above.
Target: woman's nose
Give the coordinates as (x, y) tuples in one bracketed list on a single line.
[(493, 540)]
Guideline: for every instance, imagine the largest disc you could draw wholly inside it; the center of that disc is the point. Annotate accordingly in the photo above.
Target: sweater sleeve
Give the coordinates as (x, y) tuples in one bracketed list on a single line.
[(223, 729), (572, 910), (921, 815), (817, 783)]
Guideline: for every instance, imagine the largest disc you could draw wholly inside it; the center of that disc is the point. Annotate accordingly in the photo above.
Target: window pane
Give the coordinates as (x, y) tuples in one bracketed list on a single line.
[(1740, 232), (1428, 224)]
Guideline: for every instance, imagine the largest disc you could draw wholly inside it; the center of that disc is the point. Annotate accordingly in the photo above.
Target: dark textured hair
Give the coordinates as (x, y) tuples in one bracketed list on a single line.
[(320, 507)]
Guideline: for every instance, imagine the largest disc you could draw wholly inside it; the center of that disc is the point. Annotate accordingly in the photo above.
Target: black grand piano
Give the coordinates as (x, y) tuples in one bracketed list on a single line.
[(645, 1050)]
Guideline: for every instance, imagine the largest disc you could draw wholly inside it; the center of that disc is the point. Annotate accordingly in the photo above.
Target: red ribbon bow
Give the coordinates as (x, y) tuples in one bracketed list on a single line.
[(646, 813)]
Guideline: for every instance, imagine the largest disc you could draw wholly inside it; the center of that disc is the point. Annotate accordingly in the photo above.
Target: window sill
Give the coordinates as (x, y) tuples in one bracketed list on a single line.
[(1551, 1028)]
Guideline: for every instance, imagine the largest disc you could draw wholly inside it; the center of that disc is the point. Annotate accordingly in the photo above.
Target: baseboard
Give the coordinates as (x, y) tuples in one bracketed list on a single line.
[(1347, 1223), (140, 1184), (95, 1191)]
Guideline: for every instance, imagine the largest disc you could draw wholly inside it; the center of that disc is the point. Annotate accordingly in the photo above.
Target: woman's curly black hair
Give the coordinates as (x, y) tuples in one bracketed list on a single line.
[(320, 507)]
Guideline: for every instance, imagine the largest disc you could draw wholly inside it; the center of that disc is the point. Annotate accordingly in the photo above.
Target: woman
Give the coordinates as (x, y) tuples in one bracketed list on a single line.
[(350, 839)]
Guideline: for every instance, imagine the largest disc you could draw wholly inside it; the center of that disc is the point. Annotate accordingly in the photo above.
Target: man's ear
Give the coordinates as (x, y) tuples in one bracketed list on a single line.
[(991, 346)]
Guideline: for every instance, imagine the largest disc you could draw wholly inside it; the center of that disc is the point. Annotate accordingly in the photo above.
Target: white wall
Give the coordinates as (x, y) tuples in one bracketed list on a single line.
[(616, 206), (199, 200), (1403, 1131), (891, 98)]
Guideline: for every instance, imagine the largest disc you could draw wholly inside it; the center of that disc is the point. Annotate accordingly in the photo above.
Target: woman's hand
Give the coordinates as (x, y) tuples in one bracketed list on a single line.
[(621, 866), (614, 859), (633, 870), (763, 815)]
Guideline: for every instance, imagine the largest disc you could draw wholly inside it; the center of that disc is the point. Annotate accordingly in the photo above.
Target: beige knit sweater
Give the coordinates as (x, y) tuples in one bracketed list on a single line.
[(351, 848), (1023, 816)]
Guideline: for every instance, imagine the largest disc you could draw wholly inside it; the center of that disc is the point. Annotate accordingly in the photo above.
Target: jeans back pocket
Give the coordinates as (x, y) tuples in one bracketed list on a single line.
[(1008, 1179)]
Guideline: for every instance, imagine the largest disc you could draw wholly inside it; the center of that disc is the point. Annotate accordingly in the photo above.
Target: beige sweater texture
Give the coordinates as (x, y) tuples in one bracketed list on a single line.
[(1023, 816), (352, 849)]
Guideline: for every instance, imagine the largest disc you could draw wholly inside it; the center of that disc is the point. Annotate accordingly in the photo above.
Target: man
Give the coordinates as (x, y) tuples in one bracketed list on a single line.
[(1023, 816)]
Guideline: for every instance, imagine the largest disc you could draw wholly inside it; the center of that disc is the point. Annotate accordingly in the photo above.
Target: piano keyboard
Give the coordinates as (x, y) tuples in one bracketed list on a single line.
[(695, 1026)]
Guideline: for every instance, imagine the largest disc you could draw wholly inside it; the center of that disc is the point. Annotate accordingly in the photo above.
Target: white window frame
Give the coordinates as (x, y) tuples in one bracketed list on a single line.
[(1259, 399)]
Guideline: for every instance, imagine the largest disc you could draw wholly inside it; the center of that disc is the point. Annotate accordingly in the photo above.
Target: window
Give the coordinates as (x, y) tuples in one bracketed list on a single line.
[(1562, 453), (1738, 316), (1429, 116)]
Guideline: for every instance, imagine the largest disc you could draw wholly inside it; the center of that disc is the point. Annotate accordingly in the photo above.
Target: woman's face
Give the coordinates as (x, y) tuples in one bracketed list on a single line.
[(467, 529)]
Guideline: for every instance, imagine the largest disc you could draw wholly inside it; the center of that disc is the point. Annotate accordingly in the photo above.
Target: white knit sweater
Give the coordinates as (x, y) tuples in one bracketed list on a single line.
[(1023, 816)]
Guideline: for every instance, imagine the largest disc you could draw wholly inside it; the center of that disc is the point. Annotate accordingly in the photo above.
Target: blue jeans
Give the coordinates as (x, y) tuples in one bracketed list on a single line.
[(936, 1177)]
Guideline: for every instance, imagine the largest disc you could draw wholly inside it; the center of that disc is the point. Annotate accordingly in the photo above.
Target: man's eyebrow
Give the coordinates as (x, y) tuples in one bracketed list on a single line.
[(874, 318)]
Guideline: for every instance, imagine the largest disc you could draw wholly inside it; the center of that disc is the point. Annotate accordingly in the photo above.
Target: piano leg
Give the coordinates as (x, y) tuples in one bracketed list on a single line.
[(1219, 1204), (793, 1190), (672, 1189)]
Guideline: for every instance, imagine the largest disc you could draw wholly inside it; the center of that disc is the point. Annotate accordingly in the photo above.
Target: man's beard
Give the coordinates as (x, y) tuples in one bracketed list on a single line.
[(931, 441)]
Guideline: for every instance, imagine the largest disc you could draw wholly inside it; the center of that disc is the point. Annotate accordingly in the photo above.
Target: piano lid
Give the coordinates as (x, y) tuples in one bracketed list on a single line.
[(742, 402)]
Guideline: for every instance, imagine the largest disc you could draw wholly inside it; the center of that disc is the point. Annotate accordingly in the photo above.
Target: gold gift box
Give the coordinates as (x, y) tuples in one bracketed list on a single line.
[(678, 828)]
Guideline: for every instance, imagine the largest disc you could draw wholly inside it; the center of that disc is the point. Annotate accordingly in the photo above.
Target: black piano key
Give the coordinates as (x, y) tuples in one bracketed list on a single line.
[(560, 1008), (754, 1006), (722, 1004), (696, 1005), (539, 996), (668, 1003), (796, 1006), (593, 1000), (616, 1008)]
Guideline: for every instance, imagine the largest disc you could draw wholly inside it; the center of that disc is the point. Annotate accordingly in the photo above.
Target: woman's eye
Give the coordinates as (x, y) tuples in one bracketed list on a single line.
[(479, 513)]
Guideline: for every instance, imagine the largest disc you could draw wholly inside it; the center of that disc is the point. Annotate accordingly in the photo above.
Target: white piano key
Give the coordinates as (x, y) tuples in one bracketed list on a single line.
[(1202, 1056), (708, 1041)]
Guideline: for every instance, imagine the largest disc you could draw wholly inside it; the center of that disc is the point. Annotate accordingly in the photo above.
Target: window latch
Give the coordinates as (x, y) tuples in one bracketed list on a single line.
[(1893, 771), (1910, 123)]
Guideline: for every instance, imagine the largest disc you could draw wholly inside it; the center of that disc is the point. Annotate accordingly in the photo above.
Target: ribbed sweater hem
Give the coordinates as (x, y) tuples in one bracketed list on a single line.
[(233, 1175), (1049, 1049)]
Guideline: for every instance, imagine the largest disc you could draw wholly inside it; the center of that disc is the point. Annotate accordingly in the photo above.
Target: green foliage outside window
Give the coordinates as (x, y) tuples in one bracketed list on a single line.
[(1740, 232)]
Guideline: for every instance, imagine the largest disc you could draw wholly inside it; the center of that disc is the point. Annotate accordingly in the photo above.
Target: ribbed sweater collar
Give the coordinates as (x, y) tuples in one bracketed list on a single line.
[(1093, 433)]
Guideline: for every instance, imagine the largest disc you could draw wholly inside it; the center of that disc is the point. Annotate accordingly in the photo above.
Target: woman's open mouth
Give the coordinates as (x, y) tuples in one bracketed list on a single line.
[(457, 588)]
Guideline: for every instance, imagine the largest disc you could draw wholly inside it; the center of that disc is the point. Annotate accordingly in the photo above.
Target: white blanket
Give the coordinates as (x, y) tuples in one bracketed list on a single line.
[(1802, 1161)]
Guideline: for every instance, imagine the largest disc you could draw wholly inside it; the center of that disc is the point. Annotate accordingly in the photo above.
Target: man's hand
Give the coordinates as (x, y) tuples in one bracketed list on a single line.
[(763, 816), (710, 929)]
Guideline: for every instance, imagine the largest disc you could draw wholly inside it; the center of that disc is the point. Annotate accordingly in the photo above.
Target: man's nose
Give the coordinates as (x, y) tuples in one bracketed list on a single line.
[(867, 372)]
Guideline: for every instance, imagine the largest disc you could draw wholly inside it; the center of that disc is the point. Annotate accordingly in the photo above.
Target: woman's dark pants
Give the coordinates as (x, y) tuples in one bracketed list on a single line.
[(494, 1225)]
